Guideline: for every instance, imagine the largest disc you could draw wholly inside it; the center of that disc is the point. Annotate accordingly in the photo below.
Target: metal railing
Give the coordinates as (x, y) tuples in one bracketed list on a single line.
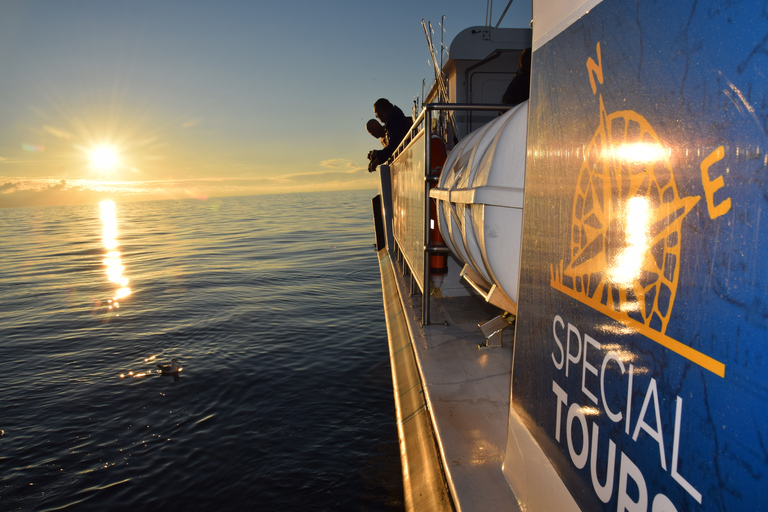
[(410, 196)]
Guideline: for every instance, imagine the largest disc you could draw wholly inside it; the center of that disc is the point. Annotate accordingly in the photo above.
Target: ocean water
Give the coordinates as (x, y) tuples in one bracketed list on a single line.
[(272, 305)]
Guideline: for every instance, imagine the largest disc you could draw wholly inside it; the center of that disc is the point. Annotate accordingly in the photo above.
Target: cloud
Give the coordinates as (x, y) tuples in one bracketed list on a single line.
[(42, 193), (24, 192), (61, 134), (339, 163), (192, 122), (7, 188), (338, 170)]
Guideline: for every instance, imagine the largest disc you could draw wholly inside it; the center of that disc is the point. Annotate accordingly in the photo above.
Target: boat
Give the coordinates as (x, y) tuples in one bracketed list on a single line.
[(576, 298)]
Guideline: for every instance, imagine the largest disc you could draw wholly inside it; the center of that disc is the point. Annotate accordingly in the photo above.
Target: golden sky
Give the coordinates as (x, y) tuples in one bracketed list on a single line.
[(203, 99)]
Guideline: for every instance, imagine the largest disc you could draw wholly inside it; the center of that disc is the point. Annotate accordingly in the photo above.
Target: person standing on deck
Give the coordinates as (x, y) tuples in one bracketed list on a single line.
[(396, 126), (519, 88)]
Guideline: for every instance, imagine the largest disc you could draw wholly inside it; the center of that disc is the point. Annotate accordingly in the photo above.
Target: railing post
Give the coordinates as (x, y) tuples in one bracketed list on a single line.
[(425, 295), (411, 250)]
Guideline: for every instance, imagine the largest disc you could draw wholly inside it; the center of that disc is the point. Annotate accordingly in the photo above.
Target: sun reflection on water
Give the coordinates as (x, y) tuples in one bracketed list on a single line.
[(112, 259)]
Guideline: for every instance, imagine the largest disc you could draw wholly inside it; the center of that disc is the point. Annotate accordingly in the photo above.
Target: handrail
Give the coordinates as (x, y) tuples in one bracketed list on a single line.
[(414, 130), (426, 115), (424, 120)]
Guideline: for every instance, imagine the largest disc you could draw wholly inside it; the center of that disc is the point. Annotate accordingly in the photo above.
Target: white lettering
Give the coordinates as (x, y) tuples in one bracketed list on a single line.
[(569, 357), (676, 451), (655, 434), (624, 501), (558, 320), (632, 492), (579, 459), (562, 399), (605, 491), (588, 340), (662, 504), (615, 416), (629, 397)]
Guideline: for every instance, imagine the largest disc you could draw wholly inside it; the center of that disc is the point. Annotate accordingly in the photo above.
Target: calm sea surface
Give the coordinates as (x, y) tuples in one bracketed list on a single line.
[(272, 304)]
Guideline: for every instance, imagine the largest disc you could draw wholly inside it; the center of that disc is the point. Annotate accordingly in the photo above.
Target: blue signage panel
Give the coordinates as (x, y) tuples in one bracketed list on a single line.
[(641, 350)]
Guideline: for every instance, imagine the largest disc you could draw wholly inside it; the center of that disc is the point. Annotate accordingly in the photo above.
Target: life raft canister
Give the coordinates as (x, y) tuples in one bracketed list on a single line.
[(438, 264)]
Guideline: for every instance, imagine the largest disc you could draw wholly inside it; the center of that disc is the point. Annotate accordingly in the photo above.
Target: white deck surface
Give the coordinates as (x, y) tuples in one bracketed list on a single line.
[(467, 392)]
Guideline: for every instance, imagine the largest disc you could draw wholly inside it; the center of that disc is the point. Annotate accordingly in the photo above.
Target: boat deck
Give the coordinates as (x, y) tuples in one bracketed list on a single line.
[(465, 391)]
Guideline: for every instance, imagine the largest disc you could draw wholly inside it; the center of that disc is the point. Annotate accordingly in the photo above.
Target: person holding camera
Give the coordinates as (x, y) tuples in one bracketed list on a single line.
[(396, 126)]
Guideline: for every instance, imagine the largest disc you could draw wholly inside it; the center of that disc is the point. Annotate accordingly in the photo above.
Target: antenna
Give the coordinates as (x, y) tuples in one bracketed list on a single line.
[(439, 82), (504, 13), (488, 13), (442, 33), (441, 114)]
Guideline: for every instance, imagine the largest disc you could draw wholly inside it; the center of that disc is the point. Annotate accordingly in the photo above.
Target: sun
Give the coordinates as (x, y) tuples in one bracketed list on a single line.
[(104, 158)]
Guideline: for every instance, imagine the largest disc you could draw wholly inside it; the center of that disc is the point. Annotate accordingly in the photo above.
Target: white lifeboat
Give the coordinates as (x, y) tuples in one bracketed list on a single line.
[(480, 201)]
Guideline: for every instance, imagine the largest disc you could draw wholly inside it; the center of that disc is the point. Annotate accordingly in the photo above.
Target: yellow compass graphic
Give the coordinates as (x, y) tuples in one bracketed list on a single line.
[(626, 220), (625, 240)]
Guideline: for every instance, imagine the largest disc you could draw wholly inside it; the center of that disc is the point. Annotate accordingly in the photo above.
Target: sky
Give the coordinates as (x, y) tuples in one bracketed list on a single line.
[(207, 98)]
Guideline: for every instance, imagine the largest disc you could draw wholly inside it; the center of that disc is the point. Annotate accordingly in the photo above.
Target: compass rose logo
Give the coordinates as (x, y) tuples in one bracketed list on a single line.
[(626, 228)]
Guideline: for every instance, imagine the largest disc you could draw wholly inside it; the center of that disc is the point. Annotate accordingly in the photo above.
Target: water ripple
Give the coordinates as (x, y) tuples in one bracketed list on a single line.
[(271, 303)]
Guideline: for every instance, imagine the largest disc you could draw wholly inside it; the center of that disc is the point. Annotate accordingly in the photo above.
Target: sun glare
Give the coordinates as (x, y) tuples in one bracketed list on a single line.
[(112, 260), (104, 158)]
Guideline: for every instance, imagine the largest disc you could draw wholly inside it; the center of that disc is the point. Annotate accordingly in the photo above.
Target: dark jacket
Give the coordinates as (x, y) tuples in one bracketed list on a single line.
[(518, 89), (397, 127)]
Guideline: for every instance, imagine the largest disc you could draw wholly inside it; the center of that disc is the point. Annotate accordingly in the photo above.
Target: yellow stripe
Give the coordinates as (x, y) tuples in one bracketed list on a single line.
[(687, 352)]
